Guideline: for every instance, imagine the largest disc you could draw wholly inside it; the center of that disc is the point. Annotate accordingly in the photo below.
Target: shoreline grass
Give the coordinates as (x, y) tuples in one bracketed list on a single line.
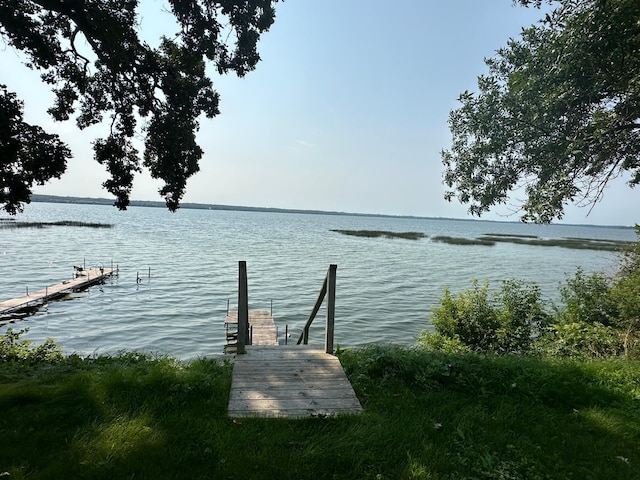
[(426, 415), (382, 233)]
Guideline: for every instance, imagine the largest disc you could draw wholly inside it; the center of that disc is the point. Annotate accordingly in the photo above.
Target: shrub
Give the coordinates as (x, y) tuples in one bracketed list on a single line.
[(626, 293), (580, 340), (503, 322), (600, 316), (12, 348), (587, 299)]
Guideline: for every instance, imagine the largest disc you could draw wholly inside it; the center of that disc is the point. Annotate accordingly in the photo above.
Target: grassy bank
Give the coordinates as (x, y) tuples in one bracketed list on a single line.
[(427, 415)]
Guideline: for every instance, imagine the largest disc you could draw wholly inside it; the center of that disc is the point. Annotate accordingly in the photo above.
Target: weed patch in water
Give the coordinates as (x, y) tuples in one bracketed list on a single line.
[(6, 223), (571, 242), (382, 233), (462, 240)]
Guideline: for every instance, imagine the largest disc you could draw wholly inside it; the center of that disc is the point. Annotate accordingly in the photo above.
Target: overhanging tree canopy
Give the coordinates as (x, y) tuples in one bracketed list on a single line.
[(125, 80), (558, 114)]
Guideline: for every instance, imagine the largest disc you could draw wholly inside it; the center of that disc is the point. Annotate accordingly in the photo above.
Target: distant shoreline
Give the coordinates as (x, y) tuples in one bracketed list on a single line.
[(207, 206)]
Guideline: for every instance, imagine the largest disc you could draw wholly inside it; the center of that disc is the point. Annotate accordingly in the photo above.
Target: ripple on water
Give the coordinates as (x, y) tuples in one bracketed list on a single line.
[(385, 288)]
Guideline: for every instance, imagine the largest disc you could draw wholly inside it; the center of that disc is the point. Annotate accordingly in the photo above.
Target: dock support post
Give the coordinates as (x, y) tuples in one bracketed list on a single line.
[(331, 307), (243, 307)]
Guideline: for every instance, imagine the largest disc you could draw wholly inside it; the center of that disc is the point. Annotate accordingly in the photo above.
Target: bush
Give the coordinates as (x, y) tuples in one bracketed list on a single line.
[(503, 322), (588, 299), (581, 340), (599, 318), (14, 349)]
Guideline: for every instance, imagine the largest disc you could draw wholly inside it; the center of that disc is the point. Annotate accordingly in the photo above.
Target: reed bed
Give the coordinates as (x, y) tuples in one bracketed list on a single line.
[(574, 243), (10, 223), (510, 235), (382, 233), (462, 240)]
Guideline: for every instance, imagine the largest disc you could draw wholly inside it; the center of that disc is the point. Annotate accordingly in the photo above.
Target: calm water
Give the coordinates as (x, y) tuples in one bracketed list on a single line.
[(384, 292)]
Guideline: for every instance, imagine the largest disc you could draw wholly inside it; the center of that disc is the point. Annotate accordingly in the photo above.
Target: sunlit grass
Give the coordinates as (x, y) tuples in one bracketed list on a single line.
[(426, 415)]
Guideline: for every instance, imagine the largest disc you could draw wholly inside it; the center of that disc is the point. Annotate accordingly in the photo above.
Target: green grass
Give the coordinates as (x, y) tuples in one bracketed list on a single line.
[(426, 415), (382, 233), (9, 223)]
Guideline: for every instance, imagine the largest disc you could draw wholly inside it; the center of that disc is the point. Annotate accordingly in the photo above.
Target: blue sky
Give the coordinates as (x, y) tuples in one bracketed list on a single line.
[(347, 111)]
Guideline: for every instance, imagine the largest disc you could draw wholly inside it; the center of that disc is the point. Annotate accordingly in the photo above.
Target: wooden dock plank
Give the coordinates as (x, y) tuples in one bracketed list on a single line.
[(84, 279), (291, 381), (250, 393), (263, 328)]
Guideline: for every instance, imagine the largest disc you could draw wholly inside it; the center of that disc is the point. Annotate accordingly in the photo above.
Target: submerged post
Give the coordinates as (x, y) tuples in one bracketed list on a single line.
[(243, 307), (331, 308)]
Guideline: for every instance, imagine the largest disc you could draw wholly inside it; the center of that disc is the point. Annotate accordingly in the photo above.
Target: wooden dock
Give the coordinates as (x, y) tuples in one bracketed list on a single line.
[(291, 382), (84, 279), (285, 381), (262, 328)]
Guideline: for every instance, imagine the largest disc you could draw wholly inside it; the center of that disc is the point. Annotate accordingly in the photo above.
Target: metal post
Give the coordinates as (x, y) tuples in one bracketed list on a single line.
[(331, 308), (243, 307), (286, 334), (27, 290), (149, 273)]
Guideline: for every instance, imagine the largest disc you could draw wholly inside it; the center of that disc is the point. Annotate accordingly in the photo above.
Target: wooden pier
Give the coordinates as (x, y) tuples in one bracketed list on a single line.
[(290, 381), (262, 330), (84, 279), (285, 381)]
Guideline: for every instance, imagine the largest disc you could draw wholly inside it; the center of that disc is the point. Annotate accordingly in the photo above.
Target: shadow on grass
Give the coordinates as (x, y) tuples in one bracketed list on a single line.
[(426, 416)]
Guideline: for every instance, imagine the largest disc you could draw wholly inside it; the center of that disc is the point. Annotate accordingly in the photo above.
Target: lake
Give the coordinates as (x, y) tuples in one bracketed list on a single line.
[(385, 287)]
